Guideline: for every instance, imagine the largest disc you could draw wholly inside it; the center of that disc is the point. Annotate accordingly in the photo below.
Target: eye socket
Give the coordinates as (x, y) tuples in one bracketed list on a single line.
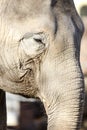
[(53, 3), (38, 40)]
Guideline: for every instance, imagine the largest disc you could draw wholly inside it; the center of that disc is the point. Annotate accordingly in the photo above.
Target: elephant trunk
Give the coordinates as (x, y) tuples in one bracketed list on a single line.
[(63, 93), (62, 83)]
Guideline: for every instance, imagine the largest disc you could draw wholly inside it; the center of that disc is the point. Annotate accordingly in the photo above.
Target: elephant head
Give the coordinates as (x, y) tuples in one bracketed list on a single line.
[(39, 57)]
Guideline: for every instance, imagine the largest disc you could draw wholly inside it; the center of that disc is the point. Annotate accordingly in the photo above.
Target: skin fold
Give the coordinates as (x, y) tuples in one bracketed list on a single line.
[(39, 57)]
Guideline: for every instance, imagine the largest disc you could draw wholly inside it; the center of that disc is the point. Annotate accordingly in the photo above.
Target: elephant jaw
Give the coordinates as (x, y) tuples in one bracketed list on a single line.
[(23, 76)]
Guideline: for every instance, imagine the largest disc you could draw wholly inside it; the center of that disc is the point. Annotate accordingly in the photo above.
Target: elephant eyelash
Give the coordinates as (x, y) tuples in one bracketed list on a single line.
[(53, 3)]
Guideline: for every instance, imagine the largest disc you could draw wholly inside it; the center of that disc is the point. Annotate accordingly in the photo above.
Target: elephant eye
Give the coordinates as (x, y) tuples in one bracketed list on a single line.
[(53, 3)]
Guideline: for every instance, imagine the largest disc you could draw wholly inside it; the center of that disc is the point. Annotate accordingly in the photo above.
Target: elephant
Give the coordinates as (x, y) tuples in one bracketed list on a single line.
[(39, 58), (83, 59)]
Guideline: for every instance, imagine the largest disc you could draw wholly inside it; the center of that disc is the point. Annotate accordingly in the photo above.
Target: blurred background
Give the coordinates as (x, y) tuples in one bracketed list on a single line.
[(29, 114)]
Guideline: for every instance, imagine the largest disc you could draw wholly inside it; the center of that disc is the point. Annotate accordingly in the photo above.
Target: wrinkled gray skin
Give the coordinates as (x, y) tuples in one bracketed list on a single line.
[(39, 57)]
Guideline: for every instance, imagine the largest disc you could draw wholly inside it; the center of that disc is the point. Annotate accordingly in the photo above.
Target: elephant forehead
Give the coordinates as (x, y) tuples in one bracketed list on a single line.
[(23, 8)]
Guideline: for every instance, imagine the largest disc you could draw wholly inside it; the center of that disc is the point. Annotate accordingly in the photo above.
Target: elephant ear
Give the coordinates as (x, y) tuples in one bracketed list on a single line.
[(2, 110)]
